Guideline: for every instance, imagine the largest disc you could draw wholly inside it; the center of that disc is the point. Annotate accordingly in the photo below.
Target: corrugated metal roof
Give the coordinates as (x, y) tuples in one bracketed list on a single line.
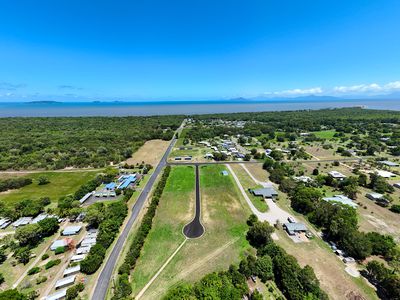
[(65, 281)]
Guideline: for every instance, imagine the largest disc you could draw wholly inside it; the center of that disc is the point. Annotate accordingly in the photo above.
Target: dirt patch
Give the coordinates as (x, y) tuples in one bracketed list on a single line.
[(150, 153)]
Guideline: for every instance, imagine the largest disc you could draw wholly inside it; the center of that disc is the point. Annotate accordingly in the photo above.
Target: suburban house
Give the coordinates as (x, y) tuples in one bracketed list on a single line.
[(341, 199), (65, 282), (60, 244), (385, 174), (266, 193), (71, 271), (22, 221), (304, 179), (378, 198), (293, 228), (71, 230), (337, 175), (388, 163)]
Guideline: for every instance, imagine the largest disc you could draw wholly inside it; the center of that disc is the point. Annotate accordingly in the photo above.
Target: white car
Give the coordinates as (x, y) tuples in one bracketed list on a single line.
[(291, 220)]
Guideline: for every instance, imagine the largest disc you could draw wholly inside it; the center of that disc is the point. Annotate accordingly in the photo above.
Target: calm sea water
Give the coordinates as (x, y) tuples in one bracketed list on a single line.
[(176, 107)]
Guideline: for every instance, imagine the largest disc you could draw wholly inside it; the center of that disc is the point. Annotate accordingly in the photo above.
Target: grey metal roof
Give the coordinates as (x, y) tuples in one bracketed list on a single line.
[(295, 227), (267, 192)]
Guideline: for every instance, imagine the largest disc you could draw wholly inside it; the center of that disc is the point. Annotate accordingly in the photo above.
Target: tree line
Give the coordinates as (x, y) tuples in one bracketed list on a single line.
[(56, 143)]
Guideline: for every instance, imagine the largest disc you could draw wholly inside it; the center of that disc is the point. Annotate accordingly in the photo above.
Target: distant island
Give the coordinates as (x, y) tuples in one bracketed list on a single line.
[(44, 102)]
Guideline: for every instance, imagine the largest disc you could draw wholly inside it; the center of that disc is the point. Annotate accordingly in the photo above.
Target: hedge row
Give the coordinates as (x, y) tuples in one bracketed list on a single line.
[(114, 217), (122, 290)]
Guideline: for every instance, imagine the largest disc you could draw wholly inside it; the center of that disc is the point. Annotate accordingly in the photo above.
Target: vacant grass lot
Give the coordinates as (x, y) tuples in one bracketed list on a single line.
[(224, 215), (174, 211), (61, 184), (325, 134)]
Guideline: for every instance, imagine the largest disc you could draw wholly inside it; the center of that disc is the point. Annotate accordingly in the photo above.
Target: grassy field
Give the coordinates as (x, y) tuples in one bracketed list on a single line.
[(247, 184), (174, 211), (325, 134), (61, 184), (224, 215)]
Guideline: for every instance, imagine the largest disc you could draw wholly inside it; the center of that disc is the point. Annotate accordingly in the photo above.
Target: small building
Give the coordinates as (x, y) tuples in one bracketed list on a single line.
[(86, 197), (22, 222), (57, 295), (71, 271), (378, 198), (304, 179), (88, 242), (71, 230), (64, 282), (388, 163), (127, 181), (80, 217), (78, 257), (59, 243), (83, 250), (4, 222), (39, 218), (374, 196), (110, 186), (337, 175), (266, 193), (225, 173), (385, 174), (293, 228), (341, 199), (209, 156)]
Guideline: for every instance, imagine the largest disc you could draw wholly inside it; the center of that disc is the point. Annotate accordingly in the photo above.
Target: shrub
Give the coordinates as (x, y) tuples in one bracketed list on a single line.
[(59, 250), (395, 208), (45, 256), (73, 292), (41, 279), (34, 270), (52, 263)]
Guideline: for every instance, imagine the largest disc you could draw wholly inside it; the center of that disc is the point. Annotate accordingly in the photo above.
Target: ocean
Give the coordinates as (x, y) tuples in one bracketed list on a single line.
[(77, 109)]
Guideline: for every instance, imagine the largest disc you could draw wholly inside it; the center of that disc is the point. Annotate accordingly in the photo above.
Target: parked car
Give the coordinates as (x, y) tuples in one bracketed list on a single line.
[(291, 220), (348, 260)]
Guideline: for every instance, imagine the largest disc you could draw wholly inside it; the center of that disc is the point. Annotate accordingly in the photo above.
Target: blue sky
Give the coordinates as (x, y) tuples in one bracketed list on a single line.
[(143, 50)]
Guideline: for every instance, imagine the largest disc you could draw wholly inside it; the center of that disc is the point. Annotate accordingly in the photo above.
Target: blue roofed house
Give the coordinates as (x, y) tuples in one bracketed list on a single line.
[(127, 181), (110, 186)]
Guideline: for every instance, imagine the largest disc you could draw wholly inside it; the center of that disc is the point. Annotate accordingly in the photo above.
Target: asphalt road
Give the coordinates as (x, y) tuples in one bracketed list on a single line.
[(195, 229), (104, 279)]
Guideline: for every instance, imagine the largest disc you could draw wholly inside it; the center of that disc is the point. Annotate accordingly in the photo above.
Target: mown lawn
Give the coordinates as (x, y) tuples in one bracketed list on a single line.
[(175, 209), (224, 215), (247, 184), (61, 184), (325, 134)]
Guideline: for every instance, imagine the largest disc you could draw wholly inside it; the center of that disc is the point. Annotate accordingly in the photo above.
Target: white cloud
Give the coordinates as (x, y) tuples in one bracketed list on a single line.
[(296, 92), (368, 89)]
